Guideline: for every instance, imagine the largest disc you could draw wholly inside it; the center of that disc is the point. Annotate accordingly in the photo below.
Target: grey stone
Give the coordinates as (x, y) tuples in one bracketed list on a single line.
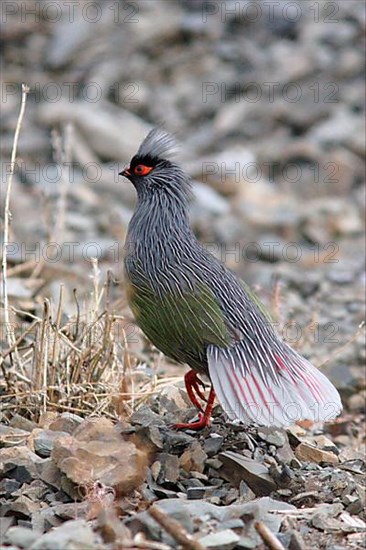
[(145, 523), (146, 417), (247, 543), (173, 399), (54, 516), (245, 492), (21, 507), (222, 540), (50, 474), (256, 475), (209, 200), (36, 490), (340, 128), (22, 423), (324, 517), (8, 487), (213, 444), (235, 523), (43, 441), (200, 508), (273, 437), (20, 536), (175, 440), (18, 288), (194, 493), (100, 127), (73, 535), (19, 463), (5, 524), (168, 468), (150, 435)]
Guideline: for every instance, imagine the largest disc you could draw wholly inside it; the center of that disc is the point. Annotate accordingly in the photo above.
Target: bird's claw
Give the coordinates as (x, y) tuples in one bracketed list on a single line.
[(193, 387), (202, 422), (204, 417)]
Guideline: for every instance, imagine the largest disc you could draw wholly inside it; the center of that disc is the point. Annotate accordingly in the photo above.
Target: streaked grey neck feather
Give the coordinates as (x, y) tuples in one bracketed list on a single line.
[(160, 224)]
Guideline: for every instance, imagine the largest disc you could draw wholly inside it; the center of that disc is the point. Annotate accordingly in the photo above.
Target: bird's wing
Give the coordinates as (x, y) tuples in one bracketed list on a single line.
[(181, 323), (256, 300), (274, 387)]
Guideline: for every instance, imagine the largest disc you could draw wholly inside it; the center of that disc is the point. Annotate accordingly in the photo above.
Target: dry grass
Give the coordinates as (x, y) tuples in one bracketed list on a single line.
[(82, 366), (7, 218)]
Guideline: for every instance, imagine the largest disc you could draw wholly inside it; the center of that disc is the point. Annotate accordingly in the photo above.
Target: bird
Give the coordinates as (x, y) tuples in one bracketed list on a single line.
[(197, 312)]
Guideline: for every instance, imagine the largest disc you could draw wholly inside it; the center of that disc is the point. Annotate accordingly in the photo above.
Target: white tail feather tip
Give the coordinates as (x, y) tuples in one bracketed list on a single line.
[(299, 391)]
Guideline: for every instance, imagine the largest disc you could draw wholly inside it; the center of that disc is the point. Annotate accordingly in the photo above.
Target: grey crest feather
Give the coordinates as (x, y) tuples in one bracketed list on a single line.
[(157, 144)]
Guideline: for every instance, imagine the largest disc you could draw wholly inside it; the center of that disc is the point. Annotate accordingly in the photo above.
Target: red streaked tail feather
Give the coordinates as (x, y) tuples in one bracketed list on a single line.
[(275, 387)]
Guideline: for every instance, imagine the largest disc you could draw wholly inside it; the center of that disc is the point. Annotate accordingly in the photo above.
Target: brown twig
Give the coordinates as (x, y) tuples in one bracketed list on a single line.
[(19, 339), (10, 350), (276, 301), (17, 269), (62, 146), (56, 342), (174, 528), (361, 327), (267, 536), (7, 216), (63, 155)]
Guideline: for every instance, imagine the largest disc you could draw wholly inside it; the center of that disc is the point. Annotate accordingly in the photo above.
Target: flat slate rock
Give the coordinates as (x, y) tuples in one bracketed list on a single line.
[(256, 475)]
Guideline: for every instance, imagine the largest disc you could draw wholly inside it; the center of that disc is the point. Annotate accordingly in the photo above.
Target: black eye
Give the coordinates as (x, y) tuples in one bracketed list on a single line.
[(142, 170)]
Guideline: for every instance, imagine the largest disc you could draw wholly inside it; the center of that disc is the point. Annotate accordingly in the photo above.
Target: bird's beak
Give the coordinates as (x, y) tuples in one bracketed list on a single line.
[(126, 173)]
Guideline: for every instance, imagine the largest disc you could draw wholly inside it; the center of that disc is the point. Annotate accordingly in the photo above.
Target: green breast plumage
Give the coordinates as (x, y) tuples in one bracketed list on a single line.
[(180, 322)]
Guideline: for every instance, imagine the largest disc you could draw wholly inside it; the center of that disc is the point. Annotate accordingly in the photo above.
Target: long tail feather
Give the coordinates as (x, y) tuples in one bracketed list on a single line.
[(275, 387)]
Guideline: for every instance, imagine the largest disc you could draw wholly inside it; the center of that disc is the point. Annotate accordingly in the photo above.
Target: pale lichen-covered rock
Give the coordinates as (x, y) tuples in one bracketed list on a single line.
[(97, 452), (314, 454)]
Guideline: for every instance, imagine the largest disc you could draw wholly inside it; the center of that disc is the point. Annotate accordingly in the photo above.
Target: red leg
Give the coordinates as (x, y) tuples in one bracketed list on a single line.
[(193, 384), (204, 418)]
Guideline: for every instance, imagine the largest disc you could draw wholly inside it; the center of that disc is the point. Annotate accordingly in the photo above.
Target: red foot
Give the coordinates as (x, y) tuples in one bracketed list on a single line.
[(204, 418), (193, 384)]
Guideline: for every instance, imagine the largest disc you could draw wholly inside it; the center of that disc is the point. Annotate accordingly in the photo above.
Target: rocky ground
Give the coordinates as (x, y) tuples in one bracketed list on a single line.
[(225, 487), (269, 108)]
